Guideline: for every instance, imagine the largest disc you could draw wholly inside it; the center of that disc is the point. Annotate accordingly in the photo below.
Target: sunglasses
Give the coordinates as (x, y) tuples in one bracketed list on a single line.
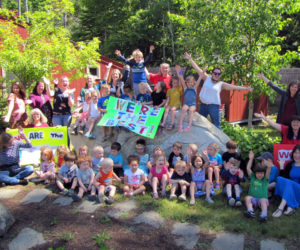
[(217, 74)]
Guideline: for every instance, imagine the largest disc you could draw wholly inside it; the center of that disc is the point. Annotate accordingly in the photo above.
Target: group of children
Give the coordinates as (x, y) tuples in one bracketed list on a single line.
[(194, 174)]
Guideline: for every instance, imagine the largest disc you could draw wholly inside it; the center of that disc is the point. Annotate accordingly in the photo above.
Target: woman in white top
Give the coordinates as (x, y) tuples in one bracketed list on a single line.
[(210, 92)]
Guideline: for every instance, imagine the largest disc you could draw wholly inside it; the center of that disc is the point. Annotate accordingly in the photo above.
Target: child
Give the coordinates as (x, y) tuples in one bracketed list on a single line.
[(199, 186), (173, 102), (192, 150), (82, 119), (67, 181), (232, 177), (189, 93), (215, 164), (117, 158), (156, 151), (93, 115), (47, 172), (144, 158), (158, 175), (60, 153), (103, 181), (175, 156), (127, 93), (137, 67), (83, 151), (134, 177), (102, 104), (181, 178), (258, 189), (143, 97), (266, 160), (158, 96), (85, 177), (97, 159)]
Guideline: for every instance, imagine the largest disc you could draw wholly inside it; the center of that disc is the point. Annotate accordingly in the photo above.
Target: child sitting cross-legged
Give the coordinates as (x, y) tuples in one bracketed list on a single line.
[(258, 190), (67, 180), (232, 176), (85, 177), (180, 179), (199, 185), (134, 177), (103, 182), (97, 159), (47, 171)]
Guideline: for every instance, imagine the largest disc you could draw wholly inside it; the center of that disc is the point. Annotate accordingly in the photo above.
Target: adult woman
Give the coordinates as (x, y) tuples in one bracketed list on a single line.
[(163, 76), (37, 119), (10, 171), (16, 114), (290, 134), (41, 100), (89, 87), (290, 100), (63, 101), (288, 185), (210, 92)]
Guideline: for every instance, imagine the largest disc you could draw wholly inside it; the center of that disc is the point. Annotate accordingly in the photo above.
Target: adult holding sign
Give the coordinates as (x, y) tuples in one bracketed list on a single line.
[(10, 171), (288, 185), (37, 119), (290, 134), (290, 100), (210, 92)]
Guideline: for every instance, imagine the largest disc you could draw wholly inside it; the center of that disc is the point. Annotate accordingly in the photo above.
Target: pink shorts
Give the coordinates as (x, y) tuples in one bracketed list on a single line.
[(84, 115), (257, 201)]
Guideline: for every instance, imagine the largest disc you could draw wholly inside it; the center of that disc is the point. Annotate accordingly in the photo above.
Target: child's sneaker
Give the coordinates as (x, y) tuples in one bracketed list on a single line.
[(109, 200), (71, 192), (212, 191), (101, 197), (209, 200), (155, 195), (92, 197), (180, 129), (199, 193), (188, 129), (87, 135), (249, 214), (76, 198), (173, 197), (192, 202), (238, 203), (262, 218), (231, 202), (182, 197), (217, 186), (92, 136), (65, 192), (163, 193)]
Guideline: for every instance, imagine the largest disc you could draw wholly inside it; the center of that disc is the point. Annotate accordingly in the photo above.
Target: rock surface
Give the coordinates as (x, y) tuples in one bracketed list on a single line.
[(122, 208), (8, 193), (271, 245), (228, 241), (150, 218), (6, 220), (88, 207), (63, 201), (35, 196)]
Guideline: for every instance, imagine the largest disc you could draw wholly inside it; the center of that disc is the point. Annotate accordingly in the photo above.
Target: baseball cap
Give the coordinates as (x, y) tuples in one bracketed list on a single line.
[(265, 155)]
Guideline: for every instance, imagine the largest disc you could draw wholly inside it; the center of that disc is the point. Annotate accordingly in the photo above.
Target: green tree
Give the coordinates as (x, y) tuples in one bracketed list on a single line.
[(47, 49), (240, 36)]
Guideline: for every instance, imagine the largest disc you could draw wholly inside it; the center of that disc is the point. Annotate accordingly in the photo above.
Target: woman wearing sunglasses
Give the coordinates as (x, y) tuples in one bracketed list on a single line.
[(210, 92)]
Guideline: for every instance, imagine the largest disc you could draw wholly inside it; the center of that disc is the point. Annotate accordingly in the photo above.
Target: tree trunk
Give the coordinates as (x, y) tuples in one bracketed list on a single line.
[(250, 113), (26, 10), (1, 4), (19, 8), (65, 20)]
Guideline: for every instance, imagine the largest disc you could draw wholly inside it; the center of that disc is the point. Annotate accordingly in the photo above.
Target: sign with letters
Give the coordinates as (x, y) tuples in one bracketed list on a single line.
[(283, 151), (140, 119)]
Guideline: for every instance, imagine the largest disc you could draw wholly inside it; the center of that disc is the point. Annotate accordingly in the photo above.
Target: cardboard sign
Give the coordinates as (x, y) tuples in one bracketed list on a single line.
[(283, 151)]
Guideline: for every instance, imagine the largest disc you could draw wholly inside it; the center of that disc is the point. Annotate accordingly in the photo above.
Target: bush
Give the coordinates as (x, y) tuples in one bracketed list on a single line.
[(249, 139)]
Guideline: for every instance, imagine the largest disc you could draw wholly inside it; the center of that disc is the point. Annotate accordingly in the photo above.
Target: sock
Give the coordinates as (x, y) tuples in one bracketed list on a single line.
[(229, 197), (264, 213), (131, 194), (250, 210), (237, 198)]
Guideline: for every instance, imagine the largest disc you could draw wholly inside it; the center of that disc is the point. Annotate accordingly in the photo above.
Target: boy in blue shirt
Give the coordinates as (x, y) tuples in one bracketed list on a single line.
[(117, 158)]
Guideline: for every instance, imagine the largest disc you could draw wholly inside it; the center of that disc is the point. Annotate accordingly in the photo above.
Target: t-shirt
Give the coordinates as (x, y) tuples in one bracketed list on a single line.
[(118, 159), (19, 106), (144, 97), (186, 177), (216, 160), (210, 92), (174, 97), (60, 102), (46, 166), (158, 98), (134, 178), (68, 173), (143, 163), (106, 178), (231, 178), (285, 140), (126, 97), (155, 78), (258, 188), (85, 176), (42, 125), (153, 171), (173, 159), (273, 174), (96, 162), (102, 102)]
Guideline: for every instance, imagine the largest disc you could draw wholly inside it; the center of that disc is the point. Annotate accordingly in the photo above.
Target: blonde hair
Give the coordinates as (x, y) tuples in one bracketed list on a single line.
[(84, 159), (83, 147), (164, 65), (214, 146), (88, 95), (107, 162), (95, 92), (143, 84), (61, 149), (190, 78), (43, 118), (180, 164), (137, 52), (193, 147), (119, 73), (105, 86), (98, 148)]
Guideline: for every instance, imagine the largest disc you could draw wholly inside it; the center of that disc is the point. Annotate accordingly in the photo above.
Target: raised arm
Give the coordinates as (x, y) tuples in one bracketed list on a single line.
[(108, 67), (250, 162), (126, 73), (180, 76), (200, 72), (228, 86), (272, 85), (149, 58), (273, 124), (47, 83), (200, 78), (118, 53), (11, 105)]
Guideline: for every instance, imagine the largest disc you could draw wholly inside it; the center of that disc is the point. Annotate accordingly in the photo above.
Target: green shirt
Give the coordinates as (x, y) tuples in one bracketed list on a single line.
[(258, 188)]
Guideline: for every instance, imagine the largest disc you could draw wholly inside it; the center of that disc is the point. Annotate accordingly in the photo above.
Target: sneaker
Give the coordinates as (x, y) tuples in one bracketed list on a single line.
[(23, 182), (249, 214), (71, 192), (92, 137), (188, 129), (262, 218), (231, 202), (173, 197), (209, 200), (155, 195), (87, 135), (199, 193), (212, 191), (182, 197), (163, 193), (76, 198), (101, 197), (65, 192), (180, 129), (217, 187), (192, 202), (109, 200), (277, 213), (238, 203), (92, 197)]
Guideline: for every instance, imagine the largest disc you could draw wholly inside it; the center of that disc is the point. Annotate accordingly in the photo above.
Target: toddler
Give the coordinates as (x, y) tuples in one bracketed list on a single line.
[(173, 102), (175, 156), (47, 168), (85, 177), (127, 93), (117, 158), (67, 181), (103, 181), (191, 150), (83, 151), (158, 96), (156, 151), (232, 177), (158, 176), (144, 97), (199, 185), (93, 115), (134, 177), (144, 157), (258, 189), (215, 164), (97, 159), (60, 153), (180, 178)]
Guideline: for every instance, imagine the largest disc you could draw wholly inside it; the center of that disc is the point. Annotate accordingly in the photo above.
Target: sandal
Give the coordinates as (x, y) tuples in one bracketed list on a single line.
[(277, 213), (188, 129), (155, 195), (180, 129), (171, 127), (289, 211)]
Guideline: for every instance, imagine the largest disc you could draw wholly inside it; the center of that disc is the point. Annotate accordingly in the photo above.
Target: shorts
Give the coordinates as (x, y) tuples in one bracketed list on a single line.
[(134, 186), (233, 190), (257, 201), (66, 185), (84, 115), (199, 185)]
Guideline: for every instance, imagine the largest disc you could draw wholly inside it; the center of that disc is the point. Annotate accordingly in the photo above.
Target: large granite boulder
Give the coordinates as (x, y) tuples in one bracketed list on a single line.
[(6, 220), (202, 133)]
